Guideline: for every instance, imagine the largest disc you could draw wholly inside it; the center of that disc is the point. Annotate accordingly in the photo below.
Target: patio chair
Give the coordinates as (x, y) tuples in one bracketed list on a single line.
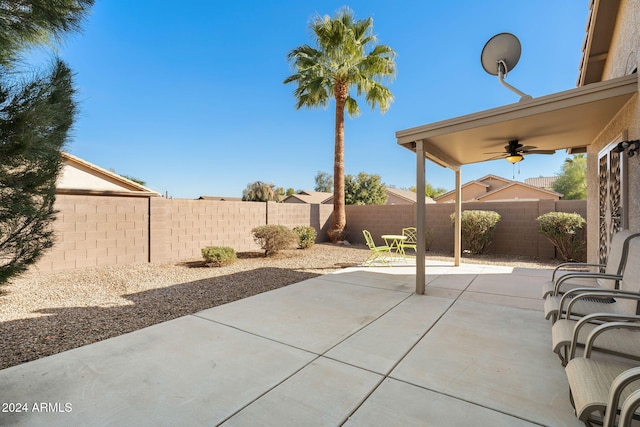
[(615, 265), (627, 413), (568, 334), (600, 386), (582, 301), (377, 252), (411, 241)]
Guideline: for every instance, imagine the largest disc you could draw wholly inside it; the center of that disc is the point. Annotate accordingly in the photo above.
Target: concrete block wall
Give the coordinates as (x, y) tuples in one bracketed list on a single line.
[(98, 230), (516, 233), (180, 228), (94, 231), (294, 214), (379, 220)]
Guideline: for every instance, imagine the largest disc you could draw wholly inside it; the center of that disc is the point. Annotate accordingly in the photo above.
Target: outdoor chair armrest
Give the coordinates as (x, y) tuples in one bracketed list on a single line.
[(588, 346), (627, 411), (592, 293), (573, 264), (597, 317), (583, 275), (617, 387)]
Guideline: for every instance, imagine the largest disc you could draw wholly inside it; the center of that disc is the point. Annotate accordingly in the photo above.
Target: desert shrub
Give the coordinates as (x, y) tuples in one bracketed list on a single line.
[(564, 231), (219, 256), (274, 238), (306, 236), (477, 229), (428, 238)]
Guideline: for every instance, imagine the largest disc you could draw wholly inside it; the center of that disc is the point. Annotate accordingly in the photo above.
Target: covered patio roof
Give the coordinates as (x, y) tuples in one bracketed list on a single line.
[(565, 120)]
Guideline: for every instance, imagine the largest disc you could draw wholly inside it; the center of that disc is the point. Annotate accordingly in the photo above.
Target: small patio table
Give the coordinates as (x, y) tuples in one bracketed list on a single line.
[(393, 241)]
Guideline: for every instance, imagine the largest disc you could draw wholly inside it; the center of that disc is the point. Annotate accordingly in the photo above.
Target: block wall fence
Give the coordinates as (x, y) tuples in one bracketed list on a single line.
[(101, 230)]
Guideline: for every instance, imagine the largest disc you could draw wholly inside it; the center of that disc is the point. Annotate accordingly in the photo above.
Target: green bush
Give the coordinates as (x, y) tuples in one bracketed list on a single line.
[(306, 236), (564, 231), (477, 228), (428, 238), (219, 256), (274, 238)]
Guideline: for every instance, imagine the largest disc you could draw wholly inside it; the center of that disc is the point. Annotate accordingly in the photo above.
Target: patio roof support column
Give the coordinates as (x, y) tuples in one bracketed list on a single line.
[(420, 217), (457, 243)]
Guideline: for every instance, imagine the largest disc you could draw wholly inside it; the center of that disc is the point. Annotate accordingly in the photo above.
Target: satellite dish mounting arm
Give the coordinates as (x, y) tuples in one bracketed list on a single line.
[(502, 73)]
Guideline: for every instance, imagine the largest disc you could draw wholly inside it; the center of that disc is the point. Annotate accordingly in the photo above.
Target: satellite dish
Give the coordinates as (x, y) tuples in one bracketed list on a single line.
[(503, 47), (499, 56)]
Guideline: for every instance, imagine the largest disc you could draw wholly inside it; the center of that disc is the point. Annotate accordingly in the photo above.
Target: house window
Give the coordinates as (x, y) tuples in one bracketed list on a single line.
[(612, 201)]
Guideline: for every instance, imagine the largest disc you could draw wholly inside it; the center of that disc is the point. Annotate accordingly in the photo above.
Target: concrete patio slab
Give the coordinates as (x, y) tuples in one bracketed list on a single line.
[(513, 290), (356, 347), (385, 341), (496, 357), (516, 285), (400, 279), (324, 393), (188, 371), (505, 300), (453, 281), (396, 403), (313, 315)]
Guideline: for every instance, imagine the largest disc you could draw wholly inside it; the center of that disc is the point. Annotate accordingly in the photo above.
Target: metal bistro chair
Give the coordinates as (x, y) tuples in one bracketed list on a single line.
[(411, 241), (377, 252)]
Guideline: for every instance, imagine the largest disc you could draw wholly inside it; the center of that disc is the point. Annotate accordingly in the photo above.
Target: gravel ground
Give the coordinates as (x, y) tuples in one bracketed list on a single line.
[(44, 314)]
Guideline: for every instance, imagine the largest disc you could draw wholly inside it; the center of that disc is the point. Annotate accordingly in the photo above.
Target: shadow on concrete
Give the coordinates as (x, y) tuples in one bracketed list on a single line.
[(70, 327)]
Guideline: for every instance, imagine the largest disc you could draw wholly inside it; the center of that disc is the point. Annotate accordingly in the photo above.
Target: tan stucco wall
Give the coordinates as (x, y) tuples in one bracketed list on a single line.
[(75, 178), (624, 56), (392, 199), (517, 192), (469, 192), (494, 183)]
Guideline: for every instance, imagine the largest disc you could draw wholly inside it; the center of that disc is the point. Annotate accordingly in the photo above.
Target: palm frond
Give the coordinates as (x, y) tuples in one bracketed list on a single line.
[(351, 105)]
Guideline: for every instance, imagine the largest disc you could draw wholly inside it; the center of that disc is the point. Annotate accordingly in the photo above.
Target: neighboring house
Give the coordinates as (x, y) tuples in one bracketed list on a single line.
[(545, 182), (79, 177), (310, 197), (494, 188), (403, 197), (220, 199), (394, 197)]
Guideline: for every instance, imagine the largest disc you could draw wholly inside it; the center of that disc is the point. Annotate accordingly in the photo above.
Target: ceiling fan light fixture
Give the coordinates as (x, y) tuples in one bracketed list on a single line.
[(514, 158)]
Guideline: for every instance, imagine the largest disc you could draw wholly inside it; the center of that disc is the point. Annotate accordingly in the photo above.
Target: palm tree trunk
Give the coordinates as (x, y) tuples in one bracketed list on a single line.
[(339, 218)]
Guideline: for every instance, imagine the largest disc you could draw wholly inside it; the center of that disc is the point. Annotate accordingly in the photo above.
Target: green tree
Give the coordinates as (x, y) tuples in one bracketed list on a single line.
[(134, 179), (24, 24), (260, 192), (364, 189), (572, 181), (36, 114), (279, 193), (346, 56), (324, 182), (430, 190)]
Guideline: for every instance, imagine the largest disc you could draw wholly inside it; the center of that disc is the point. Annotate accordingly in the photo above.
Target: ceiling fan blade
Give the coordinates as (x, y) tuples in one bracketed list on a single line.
[(527, 148), (539, 152)]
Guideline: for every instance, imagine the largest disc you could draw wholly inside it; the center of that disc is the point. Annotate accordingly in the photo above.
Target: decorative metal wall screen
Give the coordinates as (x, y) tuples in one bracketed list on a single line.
[(610, 192)]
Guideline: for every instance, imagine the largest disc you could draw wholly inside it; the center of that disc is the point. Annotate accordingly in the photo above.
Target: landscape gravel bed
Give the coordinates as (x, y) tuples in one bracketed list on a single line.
[(44, 314)]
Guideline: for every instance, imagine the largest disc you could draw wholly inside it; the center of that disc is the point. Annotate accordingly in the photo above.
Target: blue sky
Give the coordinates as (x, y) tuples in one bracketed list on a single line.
[(189, 96)]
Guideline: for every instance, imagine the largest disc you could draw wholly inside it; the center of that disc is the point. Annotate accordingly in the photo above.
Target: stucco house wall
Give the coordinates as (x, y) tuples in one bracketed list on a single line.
[(469, 191), (518, 192), (623, 59)]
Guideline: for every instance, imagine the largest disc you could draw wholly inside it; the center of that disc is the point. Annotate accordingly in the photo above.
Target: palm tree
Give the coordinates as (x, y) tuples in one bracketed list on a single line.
[(346, 56)]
